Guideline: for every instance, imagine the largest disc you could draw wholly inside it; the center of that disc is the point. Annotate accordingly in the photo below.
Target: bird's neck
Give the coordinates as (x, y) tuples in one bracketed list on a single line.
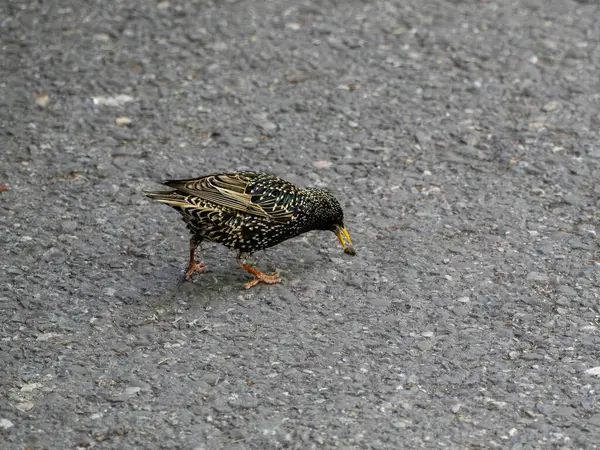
[(312, 211)]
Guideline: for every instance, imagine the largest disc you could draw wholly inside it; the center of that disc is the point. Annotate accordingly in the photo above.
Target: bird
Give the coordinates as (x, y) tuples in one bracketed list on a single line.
[(249, 211)]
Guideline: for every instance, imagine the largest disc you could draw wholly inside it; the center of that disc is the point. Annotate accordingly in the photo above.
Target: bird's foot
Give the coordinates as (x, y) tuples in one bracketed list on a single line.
[(260, 277), (267, 279), (195, 267)]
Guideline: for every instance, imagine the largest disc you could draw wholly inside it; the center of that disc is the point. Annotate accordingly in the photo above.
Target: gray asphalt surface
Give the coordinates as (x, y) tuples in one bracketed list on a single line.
[(462, 140)]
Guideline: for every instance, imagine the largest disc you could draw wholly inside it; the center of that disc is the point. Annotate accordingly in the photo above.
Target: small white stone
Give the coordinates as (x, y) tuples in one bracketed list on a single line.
[(594, 371), (101, 37), (25, 406), (551, 106), (31, 387), (6, 424), (47, 336), (42, 100), (117, 100), (322, 164), (132, 391), (122, 121)]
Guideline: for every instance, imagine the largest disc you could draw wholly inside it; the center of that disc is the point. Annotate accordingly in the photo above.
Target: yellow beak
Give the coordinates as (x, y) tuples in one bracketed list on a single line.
[(343, 237)]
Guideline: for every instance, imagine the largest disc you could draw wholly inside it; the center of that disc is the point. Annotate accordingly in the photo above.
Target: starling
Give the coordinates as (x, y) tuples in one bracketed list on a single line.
[(250, 211)]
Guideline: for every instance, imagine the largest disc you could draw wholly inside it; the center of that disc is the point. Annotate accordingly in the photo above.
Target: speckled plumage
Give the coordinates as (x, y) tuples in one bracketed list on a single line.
[(250, 211)]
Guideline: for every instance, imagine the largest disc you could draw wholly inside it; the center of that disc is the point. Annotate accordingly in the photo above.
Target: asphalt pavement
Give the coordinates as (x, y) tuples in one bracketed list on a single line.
[(461, 138)]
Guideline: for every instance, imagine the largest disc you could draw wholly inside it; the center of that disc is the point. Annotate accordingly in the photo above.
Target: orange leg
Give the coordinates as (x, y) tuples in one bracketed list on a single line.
[(193, 266), (259, 277)]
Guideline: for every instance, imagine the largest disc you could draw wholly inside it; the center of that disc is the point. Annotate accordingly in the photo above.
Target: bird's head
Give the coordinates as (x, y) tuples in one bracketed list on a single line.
[(328, 215)]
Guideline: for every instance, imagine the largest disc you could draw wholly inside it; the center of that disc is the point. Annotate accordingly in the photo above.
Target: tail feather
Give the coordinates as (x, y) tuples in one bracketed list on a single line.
[(172, 198)]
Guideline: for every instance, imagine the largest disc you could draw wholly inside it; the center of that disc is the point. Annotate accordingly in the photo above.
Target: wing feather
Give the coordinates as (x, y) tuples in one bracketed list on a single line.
[(248, 192)]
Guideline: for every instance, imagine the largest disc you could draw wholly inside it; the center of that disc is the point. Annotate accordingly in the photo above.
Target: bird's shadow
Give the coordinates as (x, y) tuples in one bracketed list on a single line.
[(223, 279)]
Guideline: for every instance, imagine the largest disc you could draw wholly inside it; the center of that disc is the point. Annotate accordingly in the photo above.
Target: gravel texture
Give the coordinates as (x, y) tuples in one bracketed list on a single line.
[(462, 139)]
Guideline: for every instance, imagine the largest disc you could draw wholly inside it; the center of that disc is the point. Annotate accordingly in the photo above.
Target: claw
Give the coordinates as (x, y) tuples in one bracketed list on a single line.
[(259, 277), (194, 267)]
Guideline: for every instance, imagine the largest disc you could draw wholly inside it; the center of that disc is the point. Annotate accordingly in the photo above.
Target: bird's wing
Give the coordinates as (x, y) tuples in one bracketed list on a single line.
[(247, 192)]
